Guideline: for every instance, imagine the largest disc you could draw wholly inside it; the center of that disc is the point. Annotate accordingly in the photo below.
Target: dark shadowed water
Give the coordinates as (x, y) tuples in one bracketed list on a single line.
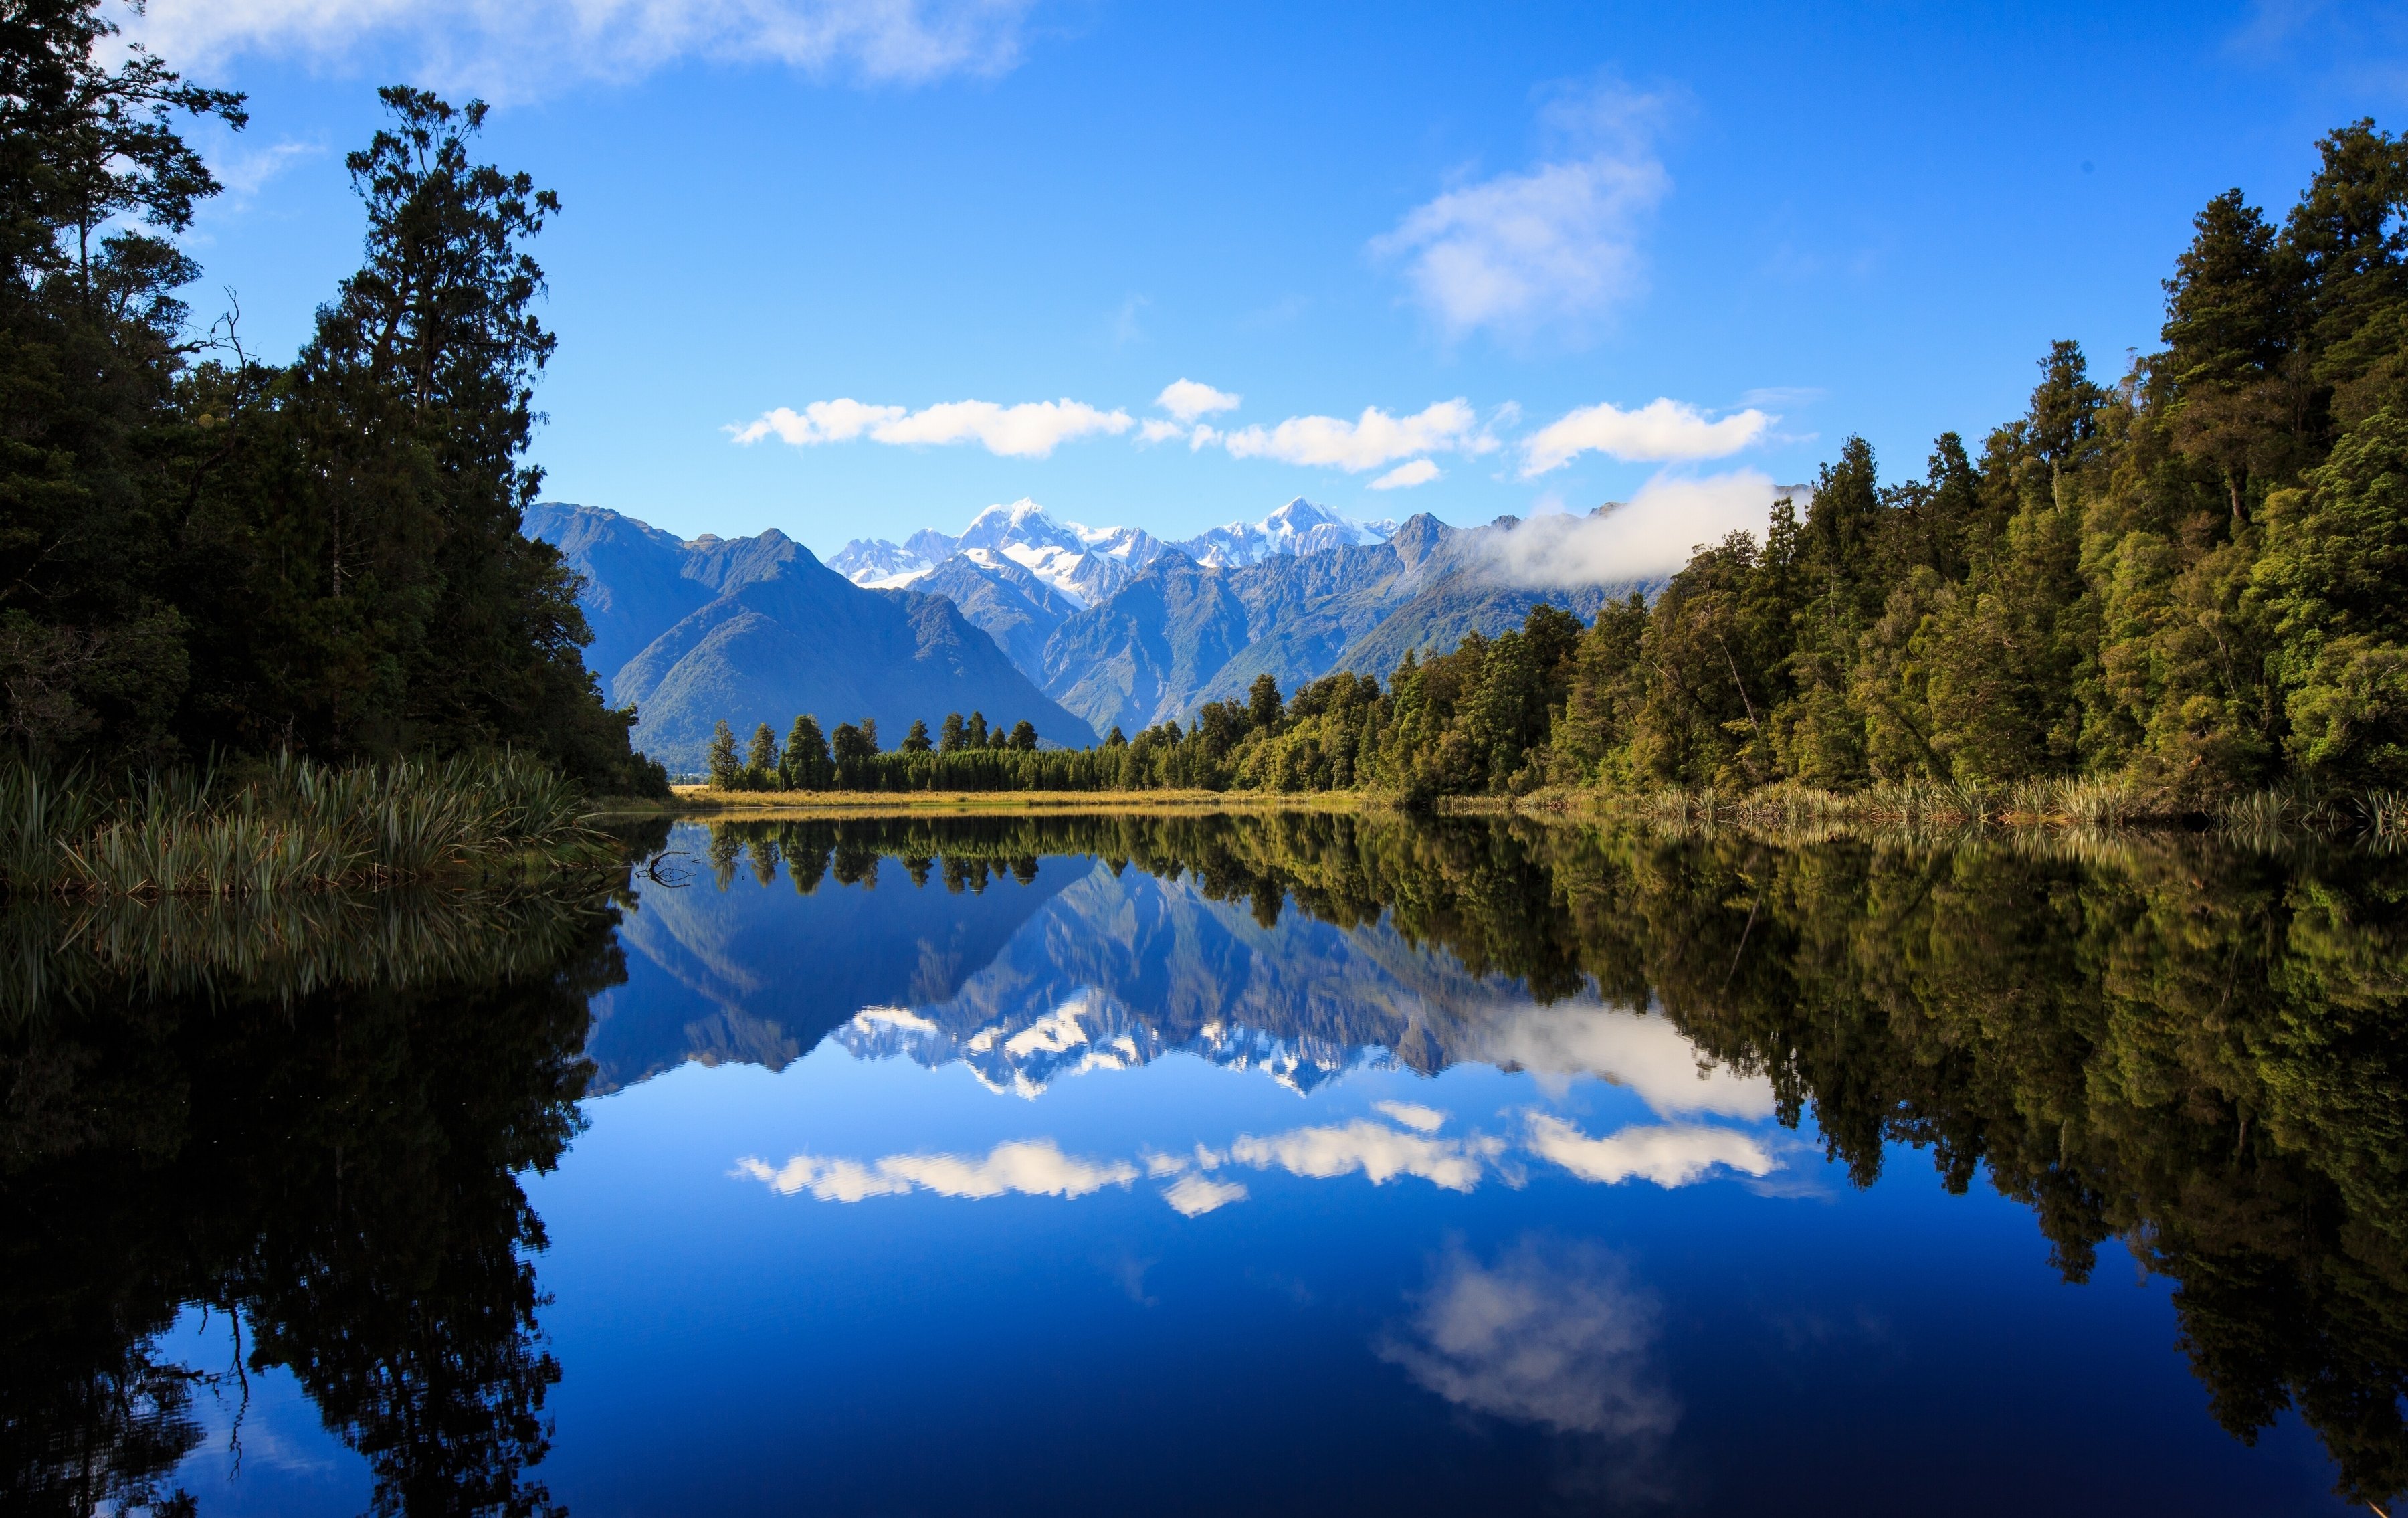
[(1210, 1166)]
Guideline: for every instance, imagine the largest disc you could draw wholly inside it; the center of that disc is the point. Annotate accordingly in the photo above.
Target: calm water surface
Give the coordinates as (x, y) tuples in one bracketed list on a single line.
[(1229, 1166)]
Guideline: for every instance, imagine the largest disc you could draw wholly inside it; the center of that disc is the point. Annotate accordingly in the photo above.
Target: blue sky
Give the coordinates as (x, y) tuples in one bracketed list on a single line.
[(1511, 230)]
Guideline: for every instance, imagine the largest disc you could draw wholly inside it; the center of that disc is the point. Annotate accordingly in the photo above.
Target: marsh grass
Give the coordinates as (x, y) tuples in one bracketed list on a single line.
[(287, 824)]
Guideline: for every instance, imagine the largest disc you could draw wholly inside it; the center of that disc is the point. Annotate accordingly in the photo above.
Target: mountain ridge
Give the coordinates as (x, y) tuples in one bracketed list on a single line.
[(757, 629)]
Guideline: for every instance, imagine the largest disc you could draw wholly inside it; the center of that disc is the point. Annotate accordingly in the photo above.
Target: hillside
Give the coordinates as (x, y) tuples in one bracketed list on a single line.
[(1126, 630), (757, 630)]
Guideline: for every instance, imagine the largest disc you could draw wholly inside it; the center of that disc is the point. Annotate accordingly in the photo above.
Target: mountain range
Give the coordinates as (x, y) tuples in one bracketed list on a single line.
[(1127, 630), (756, 629), (1079, 629)]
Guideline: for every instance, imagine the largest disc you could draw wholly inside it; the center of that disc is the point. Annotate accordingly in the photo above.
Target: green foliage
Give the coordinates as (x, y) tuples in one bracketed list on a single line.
[(288, 826), (232, 556)]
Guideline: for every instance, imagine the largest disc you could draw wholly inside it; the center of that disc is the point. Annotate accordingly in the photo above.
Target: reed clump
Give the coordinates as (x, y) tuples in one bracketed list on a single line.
[(285, 824)]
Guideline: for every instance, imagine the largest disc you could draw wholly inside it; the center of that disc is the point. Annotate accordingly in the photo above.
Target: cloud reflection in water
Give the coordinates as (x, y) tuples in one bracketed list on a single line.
[(1667, 1155), (1031, 1168), (1547, 1335)]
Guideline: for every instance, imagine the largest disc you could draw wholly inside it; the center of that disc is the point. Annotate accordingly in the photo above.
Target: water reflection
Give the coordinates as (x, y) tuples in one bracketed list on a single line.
[(319, 1121), (316, 1136), (2197, 1050)]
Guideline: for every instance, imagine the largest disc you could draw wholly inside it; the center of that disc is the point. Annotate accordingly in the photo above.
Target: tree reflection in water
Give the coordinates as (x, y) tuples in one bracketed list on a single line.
[(309, 1114), (314, 1117), (2194, 1046)]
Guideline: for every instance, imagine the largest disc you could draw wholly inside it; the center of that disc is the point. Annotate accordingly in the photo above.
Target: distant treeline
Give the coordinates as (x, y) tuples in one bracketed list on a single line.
[(2191, 586), (203, 551)]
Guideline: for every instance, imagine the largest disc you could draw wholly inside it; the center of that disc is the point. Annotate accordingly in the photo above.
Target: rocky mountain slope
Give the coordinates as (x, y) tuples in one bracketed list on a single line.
[(1080, 629), (1138, 630), (756, 629)]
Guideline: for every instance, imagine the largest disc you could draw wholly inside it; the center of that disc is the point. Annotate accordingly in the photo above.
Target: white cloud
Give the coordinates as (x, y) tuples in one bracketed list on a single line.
[(1032, 1167), (1154, 430), (1381, 1154), (1193, 1196), (1031, 430), (1555, 245), (1370, 440), (1669, 1155), (1187, 400), (1414, 1115), (1551, 1337), (1662, 431), (1406, 476), (821, 421), (245, 172), (1647, 1054), (1651, 537), (520, 48)]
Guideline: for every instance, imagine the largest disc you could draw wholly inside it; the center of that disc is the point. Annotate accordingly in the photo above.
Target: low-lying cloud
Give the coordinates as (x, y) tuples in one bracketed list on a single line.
[(1650, 537), (1370, 441), (1031, 430), (1190, 399), (1662, 431)]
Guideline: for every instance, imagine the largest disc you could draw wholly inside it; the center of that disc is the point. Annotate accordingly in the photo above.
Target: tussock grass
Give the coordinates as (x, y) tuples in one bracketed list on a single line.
[(290, 824)]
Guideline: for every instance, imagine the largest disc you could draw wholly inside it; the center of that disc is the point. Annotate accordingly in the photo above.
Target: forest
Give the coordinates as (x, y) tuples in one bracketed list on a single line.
[(2173, 594), (208, 558)]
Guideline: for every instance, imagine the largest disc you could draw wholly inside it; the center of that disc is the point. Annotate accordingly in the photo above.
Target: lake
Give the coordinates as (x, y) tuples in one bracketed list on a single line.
[(1200, 1165)]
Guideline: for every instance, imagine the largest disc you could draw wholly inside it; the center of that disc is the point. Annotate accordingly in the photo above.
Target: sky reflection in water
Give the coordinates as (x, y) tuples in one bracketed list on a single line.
[(1204, 1167), (1104, 1196)]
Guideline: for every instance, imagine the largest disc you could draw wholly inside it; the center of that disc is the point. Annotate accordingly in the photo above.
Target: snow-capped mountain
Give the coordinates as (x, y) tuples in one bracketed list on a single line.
[(1089, 564), (1297, 528)]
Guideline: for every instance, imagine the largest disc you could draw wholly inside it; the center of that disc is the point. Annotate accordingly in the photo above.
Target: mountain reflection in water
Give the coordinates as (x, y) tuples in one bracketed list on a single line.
[(2190, 1051)]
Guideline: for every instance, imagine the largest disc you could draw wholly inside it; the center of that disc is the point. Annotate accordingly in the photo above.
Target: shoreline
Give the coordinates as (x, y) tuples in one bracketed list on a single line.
[(2039, 809), (701, 802)]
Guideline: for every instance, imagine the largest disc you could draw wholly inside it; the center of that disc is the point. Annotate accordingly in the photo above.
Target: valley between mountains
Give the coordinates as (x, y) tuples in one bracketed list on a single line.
[(1077, 629)]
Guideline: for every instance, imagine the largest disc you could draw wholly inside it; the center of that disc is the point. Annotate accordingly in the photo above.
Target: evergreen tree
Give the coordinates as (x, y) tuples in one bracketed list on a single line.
[(805, 763), (235, 556), (2230, 393), (952, 735), (2330, 581), (916, 740), (1023, 737), (1263, 702), (725, 771)]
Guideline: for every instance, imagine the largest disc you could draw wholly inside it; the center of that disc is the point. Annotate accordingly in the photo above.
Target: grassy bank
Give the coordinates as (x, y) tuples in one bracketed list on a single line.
[(2045, 806), (704, 801), (288, 824)]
